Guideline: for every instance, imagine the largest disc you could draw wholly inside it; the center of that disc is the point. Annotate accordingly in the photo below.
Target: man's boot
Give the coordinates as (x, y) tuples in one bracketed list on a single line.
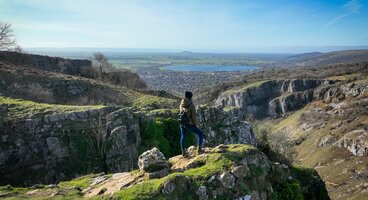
[(199, 149), (184, 152)]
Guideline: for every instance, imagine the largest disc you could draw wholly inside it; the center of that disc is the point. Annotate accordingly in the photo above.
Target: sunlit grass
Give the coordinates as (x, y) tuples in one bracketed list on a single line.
[(19, 108)]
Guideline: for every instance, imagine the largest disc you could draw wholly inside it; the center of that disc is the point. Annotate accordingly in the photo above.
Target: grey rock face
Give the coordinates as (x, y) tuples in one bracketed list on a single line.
[(219, 126), (168, 188), (271, 98), (54, 147), (75, 89), (240, 171), (202, 193), (222, 127), (227, 179)]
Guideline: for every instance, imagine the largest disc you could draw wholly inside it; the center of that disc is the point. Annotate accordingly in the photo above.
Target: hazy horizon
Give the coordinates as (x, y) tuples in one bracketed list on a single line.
[(259, 50)]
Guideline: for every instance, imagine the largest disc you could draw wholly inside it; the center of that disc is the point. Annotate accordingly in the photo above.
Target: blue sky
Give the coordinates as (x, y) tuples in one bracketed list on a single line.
[(228, 25)]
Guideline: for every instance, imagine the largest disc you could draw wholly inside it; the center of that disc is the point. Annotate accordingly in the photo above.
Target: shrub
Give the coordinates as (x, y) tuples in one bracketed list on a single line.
[(287, 190), (310, 183), (124, 78), (163, 134)]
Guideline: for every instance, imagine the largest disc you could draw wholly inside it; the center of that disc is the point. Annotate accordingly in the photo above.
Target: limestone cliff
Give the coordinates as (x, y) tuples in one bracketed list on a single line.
[(47, 143), (330, 135), (221, 127), (56, 147), (271, 98)]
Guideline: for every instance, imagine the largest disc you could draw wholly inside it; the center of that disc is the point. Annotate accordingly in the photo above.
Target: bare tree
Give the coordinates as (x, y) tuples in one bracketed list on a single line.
[(97, 139), (7, 40), (102, 64)]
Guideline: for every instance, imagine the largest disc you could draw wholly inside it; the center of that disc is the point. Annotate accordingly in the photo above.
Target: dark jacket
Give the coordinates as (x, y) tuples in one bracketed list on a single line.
[(187, 106)]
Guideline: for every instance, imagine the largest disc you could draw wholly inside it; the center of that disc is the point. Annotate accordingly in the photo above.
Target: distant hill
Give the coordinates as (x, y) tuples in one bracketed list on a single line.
[(185, 52), (304, 56), (318, 59)]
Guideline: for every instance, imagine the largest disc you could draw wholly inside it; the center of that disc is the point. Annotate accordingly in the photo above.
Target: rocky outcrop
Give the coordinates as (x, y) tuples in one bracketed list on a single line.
[(355, 141), (55, 147), (240, 174), (223, 127), (226, 172), (289, 102), (274, 98), (270, 97), (340, 91)]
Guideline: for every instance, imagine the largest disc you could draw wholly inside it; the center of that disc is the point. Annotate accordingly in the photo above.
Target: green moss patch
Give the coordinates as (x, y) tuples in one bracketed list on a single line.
[(81, 182), (147, 190), (9, 191), (152, 102), (245, 87)]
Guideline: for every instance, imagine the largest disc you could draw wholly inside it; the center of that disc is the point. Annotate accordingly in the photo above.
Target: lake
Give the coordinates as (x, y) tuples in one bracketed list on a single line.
[(209, 68)]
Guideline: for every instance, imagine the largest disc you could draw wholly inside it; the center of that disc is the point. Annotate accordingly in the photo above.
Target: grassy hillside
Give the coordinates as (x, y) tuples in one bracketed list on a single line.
[(318, 59), (50, 87)]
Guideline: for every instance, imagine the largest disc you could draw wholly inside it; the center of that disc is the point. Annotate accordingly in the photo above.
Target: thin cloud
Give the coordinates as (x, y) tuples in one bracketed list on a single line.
[(353, 6), (350, 8), (336, 19)]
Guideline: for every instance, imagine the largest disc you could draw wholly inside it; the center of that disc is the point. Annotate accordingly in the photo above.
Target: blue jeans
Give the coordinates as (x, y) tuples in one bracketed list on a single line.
[(192, 128)]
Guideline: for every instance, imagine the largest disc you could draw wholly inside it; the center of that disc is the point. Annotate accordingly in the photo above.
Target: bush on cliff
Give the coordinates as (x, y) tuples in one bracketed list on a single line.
[(163, 134)]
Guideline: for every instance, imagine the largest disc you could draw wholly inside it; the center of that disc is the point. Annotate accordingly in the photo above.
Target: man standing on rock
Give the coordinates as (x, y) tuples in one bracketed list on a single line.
[(189, 122)]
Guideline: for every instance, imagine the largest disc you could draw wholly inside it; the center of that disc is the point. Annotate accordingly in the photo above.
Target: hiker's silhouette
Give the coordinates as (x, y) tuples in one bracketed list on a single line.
[(188, 121)]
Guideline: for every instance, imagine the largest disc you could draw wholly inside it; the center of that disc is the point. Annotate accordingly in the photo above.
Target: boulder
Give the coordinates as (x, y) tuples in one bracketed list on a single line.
[(152, 161)]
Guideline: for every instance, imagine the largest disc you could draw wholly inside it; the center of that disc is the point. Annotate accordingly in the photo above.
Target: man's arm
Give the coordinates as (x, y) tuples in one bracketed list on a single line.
[(181, 107)]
